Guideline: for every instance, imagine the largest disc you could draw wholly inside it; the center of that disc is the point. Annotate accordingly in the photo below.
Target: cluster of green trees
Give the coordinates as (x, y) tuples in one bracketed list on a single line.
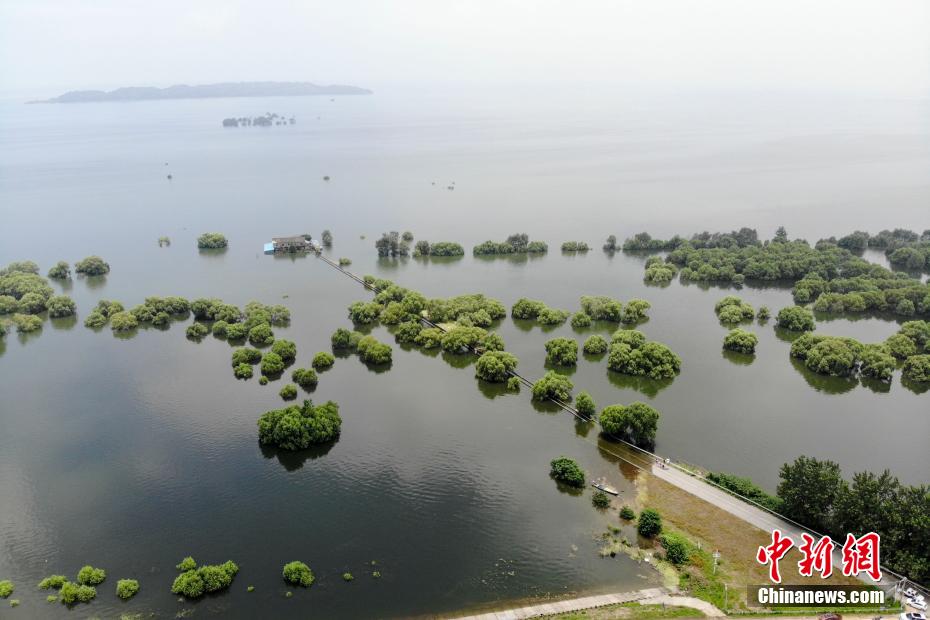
[(212, 241), (92, 266), (904, 248), (636, 423), (553, 386), (731, 309), (659, 270), (372, 351), (795, 319), (26, 323), (82, 590), (595, 345), (611, 244), (298, 574), (567, 471), (495, 366), (60, 271), (740, 341), (518, 243), (585, 405), (744, 237), (305, 378), (631, 354), (649, 524), (127, 588), (24, 292), (575, 246), (814, 493), (299, 427), (842, 357), (603, 308), (562, 351), (533, 309), (194, 581), (439, 248), (391, 244)]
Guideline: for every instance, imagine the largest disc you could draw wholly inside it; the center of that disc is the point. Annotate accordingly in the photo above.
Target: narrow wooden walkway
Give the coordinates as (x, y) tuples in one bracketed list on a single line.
[(567, 605)]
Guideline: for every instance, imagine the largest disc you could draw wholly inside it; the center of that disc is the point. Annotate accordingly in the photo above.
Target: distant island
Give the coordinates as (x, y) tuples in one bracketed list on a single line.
[(207, 91)]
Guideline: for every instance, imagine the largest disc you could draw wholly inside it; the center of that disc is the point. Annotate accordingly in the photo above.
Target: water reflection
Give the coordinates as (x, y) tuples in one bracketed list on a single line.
[(568, 371), (293, 460), (824, 383), (740, 359), (65, 323), (644, 385), (492, 390), (215, 253), (913, 386), (875, 385), (583, 427), (786, 335), (546, 406), (377, 368), (458, 360), (128, 334), (94, 282)]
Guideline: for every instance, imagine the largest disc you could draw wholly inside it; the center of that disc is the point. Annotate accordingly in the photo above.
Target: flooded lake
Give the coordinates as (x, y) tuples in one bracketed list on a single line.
[(130, 453)]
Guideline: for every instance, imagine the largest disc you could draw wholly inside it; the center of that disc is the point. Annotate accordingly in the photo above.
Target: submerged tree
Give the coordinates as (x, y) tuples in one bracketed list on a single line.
[(567, 471), (299, 427)]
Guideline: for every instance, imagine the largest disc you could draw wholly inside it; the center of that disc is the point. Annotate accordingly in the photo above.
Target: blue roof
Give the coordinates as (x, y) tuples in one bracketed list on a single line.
[(269, 248)]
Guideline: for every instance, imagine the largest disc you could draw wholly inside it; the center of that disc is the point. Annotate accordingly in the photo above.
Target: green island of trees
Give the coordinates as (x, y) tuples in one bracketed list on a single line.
[(567, 471), (513, 384), (196, 331), (344, 262), (127, 588), (581, 320), (212, 241), (90, 576), (6, 588), (795, 319), (741, 341), (92, 266), (288, 392), (243, 371), (246, 355), (534, 309), (495, 366), (595, 345), (285, 349), (392, 245), (518, 243), (636, 423), (659, 271), (372, 351), (562, 351), (305, 378), (764, 314), (344, 339), (600, 500), (603, 308), (194, 582), (631, 354), (299, 427), (585, 404), (731, 309), (552, 385), (71, 593), (439, 248), (298, 574), (272, 364), (575, 246), (842, 357), (60, 271), (26, 323), (323, 360), (53, 582), (917, 368)]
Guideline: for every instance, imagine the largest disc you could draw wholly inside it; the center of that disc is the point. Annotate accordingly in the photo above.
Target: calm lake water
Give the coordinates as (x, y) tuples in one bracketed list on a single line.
[(131, 453)]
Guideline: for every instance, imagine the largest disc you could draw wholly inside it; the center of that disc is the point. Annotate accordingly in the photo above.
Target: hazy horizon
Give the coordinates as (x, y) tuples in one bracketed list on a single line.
[(881, 49)]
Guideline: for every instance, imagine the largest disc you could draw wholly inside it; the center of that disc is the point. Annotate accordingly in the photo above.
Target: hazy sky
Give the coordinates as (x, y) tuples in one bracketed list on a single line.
[(881, 46)]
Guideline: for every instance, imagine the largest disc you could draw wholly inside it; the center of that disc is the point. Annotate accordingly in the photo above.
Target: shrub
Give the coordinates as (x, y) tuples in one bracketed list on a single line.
[(32, 303), (236, 331), (600, 500), (408, 331), (575, 246), (364, 313), (917, 368), (263, 380), (595, 345), (92, 266), (246, 355), (393, 313), (194, 582), (876, 363), (272, 364), (60, 305), (8, 304), (632, 337), (566, 470), (219, 328), (552, 316), (26, 323), (95, 320), (243, 371), (371, 351), (261, 334), (344, 262), (186, 564), (288, 392), (585, 404), (461, 338), (652, 359), (6, 588), (297, 428), (127, 588), (527, 308), (347, 577), (72, 593), (429, 338), (188, 584), (513, 384), (123, 322), (345, 339), (627, 513), (53, 582), (90, 576), (298, 574), (677, 548), (60, 271), (732, 309), (211, 241), (636, 422), (286, 349), (740, 341), (635, 310), (322, 360), (197, 330), (900, 346), (495, 366), (796, 319), (764, 314), (580, 320), (562, 351), (745, 488), (650, 523), (553, 385), (305, 377)]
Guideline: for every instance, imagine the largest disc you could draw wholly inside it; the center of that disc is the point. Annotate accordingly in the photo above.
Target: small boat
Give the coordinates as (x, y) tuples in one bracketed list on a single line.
[(601, 485)]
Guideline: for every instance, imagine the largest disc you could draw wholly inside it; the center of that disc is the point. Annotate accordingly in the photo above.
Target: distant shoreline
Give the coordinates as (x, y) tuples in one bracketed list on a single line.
[(206, 91)]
